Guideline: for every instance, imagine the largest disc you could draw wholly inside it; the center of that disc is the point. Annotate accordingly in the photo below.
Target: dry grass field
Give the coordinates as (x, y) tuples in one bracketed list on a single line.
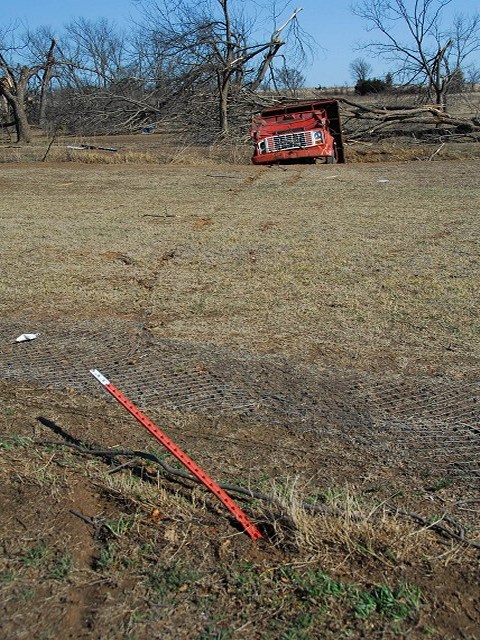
[(359, 266), (371, 269)]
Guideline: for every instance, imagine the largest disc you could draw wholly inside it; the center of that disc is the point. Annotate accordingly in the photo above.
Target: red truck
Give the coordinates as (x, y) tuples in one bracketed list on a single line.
[(300, 132)]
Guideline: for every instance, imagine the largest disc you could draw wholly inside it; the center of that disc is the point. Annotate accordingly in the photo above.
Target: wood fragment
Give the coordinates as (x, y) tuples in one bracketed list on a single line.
[(437, 151), (119, 467), (220, 175)]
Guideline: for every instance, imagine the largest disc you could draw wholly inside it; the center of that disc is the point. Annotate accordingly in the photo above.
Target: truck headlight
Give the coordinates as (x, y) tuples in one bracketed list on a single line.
[(318, 136)]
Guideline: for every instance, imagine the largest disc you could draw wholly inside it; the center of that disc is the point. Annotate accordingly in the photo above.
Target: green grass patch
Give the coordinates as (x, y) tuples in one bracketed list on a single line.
[(396, 604), (14, 440), (107, 557), (61, 567), (37, 556), (166, 582)]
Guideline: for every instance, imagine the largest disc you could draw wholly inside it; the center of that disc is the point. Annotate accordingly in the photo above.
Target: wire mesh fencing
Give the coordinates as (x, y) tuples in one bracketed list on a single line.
[(433, 421)]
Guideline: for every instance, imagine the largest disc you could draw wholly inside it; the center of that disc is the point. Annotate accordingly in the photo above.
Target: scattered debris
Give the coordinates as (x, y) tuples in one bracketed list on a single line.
[(444, 526), (26, 337), (437, 151), (165, 214), (158, 215), (383, 181), (149, 129), (89, 147), (222, 175)]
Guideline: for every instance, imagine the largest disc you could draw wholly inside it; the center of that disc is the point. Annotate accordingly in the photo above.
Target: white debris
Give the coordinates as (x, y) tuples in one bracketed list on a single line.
[(25, 337)]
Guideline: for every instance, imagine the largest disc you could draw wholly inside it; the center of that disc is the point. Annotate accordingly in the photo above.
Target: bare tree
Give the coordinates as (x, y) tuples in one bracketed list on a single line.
[(472, 76), (41, 46), (289, 78), (94, 52), (99, 90), (412, 36), (19, 75), (212, 45), (186, 58), (360, 70)]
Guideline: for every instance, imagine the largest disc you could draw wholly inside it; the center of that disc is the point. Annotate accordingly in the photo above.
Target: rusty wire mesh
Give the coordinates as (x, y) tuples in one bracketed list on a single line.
[(435, 420)]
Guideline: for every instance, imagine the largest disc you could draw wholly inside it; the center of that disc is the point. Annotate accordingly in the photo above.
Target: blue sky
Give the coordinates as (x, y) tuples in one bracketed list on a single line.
[(332, 25)]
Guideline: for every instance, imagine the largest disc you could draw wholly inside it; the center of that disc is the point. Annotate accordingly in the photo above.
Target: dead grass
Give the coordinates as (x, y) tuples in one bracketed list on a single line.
[(105, 157), (155, 149), (351, 528), (366, 267), (408, 151), (160, 150), (358, 267)]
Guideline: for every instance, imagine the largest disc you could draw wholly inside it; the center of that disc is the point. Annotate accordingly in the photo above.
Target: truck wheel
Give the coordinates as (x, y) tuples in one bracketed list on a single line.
[(333, 159)]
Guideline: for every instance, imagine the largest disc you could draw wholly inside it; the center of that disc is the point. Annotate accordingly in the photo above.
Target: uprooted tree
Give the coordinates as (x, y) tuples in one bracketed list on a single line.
[(215, 49), (412, 37), (373, 122), (183, 60)]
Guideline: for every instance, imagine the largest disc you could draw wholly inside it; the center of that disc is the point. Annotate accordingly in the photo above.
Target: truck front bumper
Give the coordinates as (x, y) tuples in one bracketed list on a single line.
[(318, 151)]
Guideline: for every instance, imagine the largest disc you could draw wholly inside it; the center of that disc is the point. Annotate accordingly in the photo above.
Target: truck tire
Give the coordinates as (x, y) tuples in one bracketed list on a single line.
[(333, 159)]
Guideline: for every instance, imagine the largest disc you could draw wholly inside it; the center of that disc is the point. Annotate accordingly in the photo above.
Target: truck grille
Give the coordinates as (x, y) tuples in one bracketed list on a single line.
[(290, 141)]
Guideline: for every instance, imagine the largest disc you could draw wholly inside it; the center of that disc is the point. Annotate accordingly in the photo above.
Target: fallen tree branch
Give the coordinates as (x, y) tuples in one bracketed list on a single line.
[(44, 159), (442, 530), (431, 157), (373, 118), (436, 526)]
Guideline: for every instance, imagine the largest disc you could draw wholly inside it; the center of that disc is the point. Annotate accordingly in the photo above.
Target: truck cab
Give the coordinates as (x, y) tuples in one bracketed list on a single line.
[(301, 132)]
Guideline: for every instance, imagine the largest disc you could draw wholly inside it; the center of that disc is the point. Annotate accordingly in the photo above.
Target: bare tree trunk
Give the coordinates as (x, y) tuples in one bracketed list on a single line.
[(438, 95), (441, 99), (17, 105), (224, 114), (47, 75), (4, 108), (223, 91), (16, 99), (22, 127), (42, 115)]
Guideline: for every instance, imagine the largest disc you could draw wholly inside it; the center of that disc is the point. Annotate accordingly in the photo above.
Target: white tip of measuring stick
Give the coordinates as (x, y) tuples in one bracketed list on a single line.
[(100, 377)]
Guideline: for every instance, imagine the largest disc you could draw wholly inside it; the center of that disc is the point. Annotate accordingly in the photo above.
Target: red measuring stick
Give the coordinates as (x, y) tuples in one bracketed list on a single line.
[(197, 471)]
